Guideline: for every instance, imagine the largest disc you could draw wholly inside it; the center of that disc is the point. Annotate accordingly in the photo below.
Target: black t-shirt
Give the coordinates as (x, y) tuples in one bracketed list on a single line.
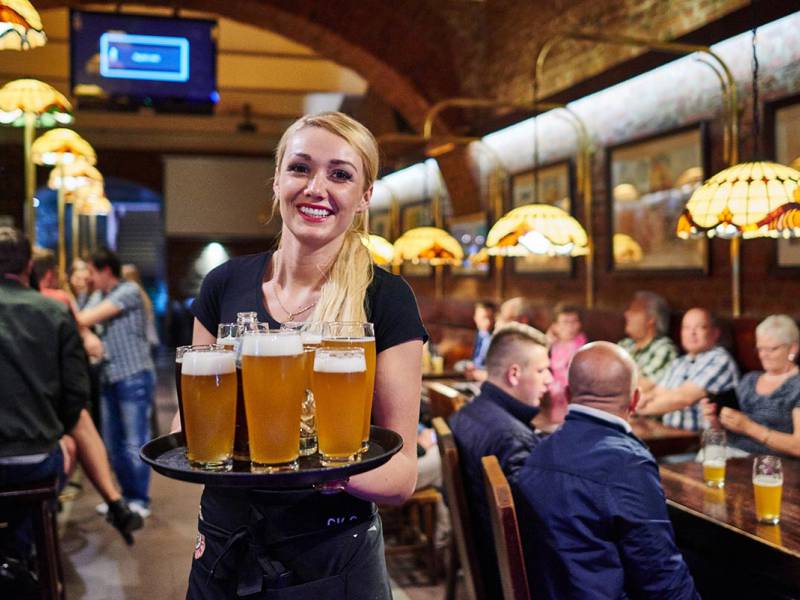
[(235, 286)]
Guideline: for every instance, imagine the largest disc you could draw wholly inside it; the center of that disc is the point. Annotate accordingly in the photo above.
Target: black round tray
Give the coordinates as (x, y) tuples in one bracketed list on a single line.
[(167, 455)]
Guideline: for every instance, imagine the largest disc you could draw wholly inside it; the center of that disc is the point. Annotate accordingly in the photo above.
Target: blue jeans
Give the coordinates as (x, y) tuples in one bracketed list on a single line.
[(126, 409)]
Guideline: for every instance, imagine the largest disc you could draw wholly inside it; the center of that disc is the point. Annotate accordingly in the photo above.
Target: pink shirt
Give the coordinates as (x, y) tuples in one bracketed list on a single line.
[(560, 355)]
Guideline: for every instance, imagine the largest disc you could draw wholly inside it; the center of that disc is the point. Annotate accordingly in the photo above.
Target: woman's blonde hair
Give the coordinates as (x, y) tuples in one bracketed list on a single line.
[(342, 295)]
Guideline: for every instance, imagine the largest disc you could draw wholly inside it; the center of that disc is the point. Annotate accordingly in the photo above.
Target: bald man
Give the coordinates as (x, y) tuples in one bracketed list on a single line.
[(705, 369), (592, 513)]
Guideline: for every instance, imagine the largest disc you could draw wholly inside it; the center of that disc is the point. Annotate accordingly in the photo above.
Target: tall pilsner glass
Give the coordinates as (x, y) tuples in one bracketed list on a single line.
[(208, 386), (767, 488), (361, 335), (179, 352), (273, 375), (714, 454), (339, 380), (311, 335)]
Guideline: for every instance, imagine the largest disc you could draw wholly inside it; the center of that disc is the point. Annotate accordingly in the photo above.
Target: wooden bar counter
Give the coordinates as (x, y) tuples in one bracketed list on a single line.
[(720, 525)]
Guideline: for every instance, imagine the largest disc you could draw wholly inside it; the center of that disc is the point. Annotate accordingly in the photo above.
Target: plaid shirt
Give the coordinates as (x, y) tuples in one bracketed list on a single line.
[(654, 358), (125, 335), (714, 371)]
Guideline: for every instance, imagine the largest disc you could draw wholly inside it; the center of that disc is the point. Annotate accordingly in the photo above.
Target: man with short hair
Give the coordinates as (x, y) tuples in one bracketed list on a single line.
[(706, 368), (128, 386), (592, 512), (646, 324), (484, 323), (45, 389), (499, 422)]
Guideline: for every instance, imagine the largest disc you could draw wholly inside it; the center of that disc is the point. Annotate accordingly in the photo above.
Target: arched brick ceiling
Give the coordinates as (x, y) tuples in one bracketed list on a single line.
[(404, 52)]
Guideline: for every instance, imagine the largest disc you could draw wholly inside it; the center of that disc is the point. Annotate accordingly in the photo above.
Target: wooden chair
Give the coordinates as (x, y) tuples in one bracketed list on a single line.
[(39, 496), (411, 528), (444, 399), (507, 541), (459, 517)]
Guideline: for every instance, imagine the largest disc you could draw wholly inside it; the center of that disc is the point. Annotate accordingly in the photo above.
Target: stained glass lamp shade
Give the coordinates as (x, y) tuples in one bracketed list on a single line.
[(537, 229), (429, 245)]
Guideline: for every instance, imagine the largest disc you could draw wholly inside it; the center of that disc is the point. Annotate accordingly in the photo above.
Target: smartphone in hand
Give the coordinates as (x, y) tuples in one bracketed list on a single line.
[(725, 398)]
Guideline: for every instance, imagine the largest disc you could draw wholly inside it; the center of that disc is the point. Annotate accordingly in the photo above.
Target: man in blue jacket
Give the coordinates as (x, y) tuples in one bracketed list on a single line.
[(499, 422), (593, 513)]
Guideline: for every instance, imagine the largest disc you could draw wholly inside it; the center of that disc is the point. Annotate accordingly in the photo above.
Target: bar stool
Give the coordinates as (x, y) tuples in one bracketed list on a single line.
[(38, 496)]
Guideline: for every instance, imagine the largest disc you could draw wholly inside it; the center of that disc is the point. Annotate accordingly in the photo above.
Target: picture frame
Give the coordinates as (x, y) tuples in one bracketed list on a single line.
[(380, 223), (416, 214), (556, 187), (783, 135), (649, 183), (470, 230)]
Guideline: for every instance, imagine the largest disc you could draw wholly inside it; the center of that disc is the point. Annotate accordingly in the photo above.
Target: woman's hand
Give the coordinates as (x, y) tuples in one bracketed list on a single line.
[(709, 410), (734, 420)]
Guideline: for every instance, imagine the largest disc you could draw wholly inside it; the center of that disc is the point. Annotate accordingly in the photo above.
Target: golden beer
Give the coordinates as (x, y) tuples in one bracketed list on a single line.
[(767, 491), (368, 345), (339, 382), (273, 375), (714, 472), (208, 390)]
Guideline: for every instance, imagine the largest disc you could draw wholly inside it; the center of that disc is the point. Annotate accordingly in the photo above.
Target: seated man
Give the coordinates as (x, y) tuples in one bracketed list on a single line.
[(513, 310), (498, 422), (706, 368), (646, 324), (592, 513), (44, 425)]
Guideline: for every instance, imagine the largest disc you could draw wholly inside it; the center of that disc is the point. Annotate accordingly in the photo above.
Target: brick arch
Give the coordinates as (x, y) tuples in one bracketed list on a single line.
[(404, 54)]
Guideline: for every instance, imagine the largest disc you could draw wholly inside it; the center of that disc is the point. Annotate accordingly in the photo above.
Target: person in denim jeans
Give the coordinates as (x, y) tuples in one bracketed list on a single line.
[(128, 380)]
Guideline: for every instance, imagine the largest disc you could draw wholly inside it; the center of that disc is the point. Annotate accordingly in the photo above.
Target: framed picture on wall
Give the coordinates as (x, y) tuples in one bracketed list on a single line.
[(649, 182), (380, 223), (785, 118), (470, 231), (554, 187), (417, 214)]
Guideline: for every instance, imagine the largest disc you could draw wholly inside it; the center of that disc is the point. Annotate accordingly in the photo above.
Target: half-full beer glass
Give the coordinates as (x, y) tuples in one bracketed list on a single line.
[(714, 453), (311, 335), (208, 387), (339, 381), (273, 375), (361, 335), (767, 488)]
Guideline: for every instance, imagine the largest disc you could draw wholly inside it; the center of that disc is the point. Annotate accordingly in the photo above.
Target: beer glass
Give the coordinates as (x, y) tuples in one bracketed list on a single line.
[(208, 386), (179, 352), (228, 335), (767, 488), (311, 335), (361, 335), (714, 453), (245, 321), (338, 384), (273, 375)]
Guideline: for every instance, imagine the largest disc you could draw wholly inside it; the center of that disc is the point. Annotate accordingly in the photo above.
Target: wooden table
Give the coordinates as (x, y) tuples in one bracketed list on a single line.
[(662, 439), (448, 374), (722, 523)]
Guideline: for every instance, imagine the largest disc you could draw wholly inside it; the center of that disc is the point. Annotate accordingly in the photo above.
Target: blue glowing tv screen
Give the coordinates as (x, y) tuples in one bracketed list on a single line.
[(125, 61)]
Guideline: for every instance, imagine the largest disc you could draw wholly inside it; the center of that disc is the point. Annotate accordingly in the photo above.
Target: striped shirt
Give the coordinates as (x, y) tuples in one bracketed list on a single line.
[(714, 371), (125, 335), (654, 358)]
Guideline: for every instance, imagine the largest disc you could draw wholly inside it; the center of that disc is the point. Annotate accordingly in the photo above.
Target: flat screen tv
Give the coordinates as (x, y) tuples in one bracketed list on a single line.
[(125, 61)]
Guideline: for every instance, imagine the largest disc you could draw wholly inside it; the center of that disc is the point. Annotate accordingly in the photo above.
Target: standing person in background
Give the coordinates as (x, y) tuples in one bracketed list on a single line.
[(484, 323), (565, 336), (128, 379), (131, 273), (646, 324), (80, 282), (310, 545)]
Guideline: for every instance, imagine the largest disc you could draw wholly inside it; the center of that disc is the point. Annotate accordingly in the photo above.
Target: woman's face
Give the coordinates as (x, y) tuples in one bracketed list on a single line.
[(320, 186), (774, 354), (79, 280)]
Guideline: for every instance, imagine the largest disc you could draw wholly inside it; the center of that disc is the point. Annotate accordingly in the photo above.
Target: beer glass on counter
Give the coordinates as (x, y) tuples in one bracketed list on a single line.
[(714, 454), (208, 389), (311, 335), (362, 335), (767, 488), (338, 385), (273, 374)]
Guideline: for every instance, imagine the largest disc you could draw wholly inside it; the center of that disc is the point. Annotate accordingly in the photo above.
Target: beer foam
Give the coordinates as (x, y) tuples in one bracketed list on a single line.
[(767, 481), (359, 340), (311, 338), (208, 363), (270, 344), (327, 363), (714, 462)]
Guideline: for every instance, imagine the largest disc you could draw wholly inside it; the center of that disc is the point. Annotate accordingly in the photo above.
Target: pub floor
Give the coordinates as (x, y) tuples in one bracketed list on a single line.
[(99, 566)]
